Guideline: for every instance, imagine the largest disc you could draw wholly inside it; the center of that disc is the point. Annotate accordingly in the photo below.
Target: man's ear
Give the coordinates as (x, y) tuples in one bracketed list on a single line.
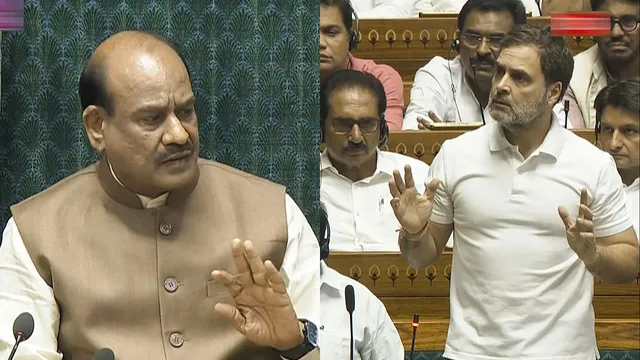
[(93, 118), (553, 93)]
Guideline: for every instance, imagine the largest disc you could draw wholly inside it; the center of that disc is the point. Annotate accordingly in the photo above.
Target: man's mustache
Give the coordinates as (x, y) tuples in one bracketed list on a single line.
[(499, 99), (617, 42), (354, 147), (174, 150), (485, 60)]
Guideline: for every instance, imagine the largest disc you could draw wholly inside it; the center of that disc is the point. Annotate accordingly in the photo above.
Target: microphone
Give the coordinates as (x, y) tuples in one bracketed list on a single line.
[(566, 112), (104, 354), (415, 323), (350, 302), (22, 331), (473, 69)]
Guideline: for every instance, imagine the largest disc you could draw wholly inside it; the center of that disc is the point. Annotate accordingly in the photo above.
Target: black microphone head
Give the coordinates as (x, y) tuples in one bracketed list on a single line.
[(23, 325), (350, 298), (566, 105), (104, 354)]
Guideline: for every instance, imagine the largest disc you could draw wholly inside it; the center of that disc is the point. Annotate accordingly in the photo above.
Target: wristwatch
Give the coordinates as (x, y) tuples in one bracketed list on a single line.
[(310, 342)]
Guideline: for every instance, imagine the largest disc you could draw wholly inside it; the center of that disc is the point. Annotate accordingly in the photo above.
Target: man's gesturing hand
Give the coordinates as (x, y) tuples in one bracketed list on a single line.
[(263, 312), (580, 232), (423, 124), (412, 209)]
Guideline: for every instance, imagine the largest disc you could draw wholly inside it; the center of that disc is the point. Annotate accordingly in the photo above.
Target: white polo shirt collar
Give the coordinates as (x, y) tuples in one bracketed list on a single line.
[(332, 279), (551, 145), (384, 165)]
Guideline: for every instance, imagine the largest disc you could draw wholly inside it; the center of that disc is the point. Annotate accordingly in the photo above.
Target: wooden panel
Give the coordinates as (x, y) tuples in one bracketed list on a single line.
[(437, 307), (611, 334), (388, 275), (425, 144), (408, 44)]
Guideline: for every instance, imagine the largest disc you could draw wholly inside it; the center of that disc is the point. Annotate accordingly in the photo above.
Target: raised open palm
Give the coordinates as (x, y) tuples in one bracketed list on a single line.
[(263, 312), (412, 209)]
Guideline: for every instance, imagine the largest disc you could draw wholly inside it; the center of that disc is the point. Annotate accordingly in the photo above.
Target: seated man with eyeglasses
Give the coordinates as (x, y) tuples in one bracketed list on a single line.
[(457, 90), (613, 58), (354, 173)]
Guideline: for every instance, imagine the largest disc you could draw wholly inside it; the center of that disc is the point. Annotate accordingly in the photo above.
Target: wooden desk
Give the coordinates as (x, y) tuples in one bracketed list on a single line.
[(405, 290), (424, 145), (408, 44)]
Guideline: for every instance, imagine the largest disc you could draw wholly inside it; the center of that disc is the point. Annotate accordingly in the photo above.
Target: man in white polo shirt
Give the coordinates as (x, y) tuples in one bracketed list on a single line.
[(538, 213), (354, 173), (374, 334), (617, 109)]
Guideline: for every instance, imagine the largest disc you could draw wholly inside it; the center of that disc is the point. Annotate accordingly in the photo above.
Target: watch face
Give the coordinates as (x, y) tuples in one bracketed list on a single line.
[(312, 333)]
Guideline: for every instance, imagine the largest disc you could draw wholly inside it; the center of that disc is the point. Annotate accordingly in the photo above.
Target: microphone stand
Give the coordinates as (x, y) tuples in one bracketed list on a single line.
[(415, 323), (566, 113), (20, 338), (352, 342)]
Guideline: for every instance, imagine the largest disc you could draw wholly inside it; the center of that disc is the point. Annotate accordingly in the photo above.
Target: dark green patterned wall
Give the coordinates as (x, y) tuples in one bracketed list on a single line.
[(254, 67)]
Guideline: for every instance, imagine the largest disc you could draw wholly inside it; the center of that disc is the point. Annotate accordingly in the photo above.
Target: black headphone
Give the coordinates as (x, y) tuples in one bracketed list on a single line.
[(597, 129), (353, 35), (384, 131), (455, 45), (325, 233)]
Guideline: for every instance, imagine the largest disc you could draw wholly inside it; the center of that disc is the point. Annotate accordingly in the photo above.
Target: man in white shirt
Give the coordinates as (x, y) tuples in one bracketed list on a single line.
[(455, 6), (135, 252), (384, 9), (375, 336), (353, 172), (534, 222), (613, 58), (458, 90), (617, 109)]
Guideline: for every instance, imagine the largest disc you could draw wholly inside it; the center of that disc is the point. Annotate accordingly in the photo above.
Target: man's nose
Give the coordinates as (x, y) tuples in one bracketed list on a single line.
[(616, 140), (483, 49), (502, 86), (323, 41), (355, 135), (616, 31), (175, 133)]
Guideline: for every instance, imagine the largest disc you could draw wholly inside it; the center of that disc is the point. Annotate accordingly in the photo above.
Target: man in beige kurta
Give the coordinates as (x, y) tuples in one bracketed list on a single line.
[(121, 253)]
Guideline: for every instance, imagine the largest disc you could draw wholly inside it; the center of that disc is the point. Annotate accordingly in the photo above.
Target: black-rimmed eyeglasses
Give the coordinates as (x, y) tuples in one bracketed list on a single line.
[(627, 23), (475, 40), (365, 125)]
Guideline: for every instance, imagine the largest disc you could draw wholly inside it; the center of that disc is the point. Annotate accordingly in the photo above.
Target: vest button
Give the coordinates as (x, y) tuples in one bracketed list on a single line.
[(176, 340), (166, 228), (171, 284)]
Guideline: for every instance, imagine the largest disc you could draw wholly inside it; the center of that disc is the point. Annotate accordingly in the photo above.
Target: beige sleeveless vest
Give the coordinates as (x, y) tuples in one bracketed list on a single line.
[(138, 280)]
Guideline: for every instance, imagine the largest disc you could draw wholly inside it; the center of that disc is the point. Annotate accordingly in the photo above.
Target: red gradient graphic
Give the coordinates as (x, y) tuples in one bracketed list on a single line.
[(595, 23)]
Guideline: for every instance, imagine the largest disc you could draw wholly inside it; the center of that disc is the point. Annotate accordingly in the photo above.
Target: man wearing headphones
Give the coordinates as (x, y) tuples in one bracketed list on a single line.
[(458, 90), (354, 173), (617, 127), (337, 40), (375, 337)]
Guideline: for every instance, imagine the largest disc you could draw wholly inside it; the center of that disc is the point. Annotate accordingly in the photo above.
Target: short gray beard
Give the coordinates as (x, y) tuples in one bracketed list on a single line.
[(520, 117)]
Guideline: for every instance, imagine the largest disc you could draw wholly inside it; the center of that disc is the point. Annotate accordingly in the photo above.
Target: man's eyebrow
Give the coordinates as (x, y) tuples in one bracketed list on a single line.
[(188, 103), (330, 27), (149, 108), (366, 118), (520, 72)]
